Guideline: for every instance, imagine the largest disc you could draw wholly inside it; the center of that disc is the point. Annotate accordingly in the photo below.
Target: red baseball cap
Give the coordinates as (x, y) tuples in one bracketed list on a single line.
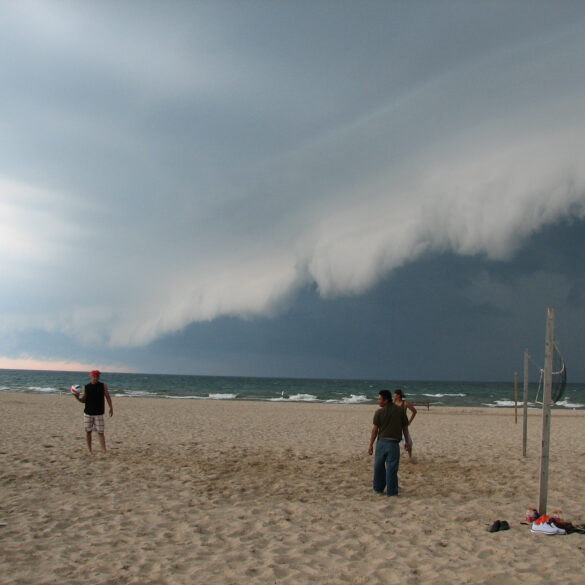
[(95, 373)]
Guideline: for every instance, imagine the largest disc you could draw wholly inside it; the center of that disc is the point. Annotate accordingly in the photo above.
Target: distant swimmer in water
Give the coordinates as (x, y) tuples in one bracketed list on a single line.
[(284, 394), (399, 401)]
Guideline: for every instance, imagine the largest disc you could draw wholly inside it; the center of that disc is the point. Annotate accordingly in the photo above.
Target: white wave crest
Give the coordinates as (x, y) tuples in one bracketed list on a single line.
[(303, 398), (220, 396)]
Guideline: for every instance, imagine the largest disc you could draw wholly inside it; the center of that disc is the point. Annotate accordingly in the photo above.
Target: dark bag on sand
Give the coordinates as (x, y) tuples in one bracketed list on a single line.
[(568, 527)]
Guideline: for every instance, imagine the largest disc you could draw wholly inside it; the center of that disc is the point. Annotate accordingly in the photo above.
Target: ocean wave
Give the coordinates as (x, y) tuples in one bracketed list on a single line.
[(353, 399), (47, 390), (567, 404), (222, 396), (445, 395), (137, 394), (143, 394), (508, 403), (303, 398), (504, 403)]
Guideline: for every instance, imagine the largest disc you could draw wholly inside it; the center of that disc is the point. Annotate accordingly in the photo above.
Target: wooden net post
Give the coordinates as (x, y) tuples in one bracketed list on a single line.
[(546, 410), (515, 398), (525, 410)]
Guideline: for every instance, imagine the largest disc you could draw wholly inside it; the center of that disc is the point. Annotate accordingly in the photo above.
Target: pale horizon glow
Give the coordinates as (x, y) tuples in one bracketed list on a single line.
[(29, 363)]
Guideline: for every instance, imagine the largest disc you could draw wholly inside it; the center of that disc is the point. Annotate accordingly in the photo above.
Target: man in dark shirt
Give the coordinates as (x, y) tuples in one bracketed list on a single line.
[(390, 423), (93, 414)]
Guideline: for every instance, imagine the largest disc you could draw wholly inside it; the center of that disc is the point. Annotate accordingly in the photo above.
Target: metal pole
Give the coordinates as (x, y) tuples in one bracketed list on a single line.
[(546, 410)]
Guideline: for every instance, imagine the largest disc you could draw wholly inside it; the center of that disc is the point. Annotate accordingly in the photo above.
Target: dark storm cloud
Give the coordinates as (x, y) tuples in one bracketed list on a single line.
[(214, 160)]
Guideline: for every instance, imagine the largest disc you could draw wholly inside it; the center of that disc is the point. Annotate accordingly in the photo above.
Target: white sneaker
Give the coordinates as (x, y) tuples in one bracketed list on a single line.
[(544, 526)]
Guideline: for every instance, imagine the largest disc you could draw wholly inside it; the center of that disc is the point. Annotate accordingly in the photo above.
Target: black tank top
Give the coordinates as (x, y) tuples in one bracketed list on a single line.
[(94, 399)]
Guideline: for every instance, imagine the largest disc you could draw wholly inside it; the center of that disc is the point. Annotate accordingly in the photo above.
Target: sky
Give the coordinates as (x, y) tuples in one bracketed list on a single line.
[(374, 189)]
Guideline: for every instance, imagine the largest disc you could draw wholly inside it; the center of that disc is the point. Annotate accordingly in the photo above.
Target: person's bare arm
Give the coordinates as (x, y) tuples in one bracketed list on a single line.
[(107, 395), (372, 439), (412, 409)]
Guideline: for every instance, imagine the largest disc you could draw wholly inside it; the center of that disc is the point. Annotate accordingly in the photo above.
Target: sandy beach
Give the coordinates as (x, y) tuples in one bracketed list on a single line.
[(220, 492)]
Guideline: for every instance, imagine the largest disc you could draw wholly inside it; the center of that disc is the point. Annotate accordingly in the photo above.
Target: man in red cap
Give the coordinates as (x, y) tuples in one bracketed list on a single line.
[(93, 413)]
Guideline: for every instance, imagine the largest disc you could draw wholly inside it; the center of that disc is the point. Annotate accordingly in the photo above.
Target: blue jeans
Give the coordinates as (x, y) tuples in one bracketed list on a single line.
[(386, 461)]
